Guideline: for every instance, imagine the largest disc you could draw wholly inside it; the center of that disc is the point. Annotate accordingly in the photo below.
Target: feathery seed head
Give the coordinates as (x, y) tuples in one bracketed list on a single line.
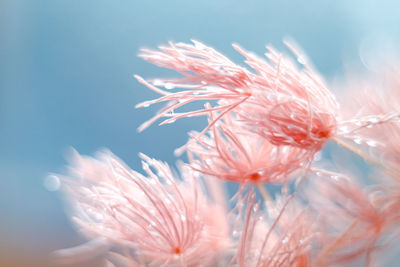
[(284, 104), (165, 220)]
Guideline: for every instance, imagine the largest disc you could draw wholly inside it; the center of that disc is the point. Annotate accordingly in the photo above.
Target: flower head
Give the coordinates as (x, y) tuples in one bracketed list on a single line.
[(358, 222), (281, 236), (374, 123), (230, 151), (285, 104), (165, 220)]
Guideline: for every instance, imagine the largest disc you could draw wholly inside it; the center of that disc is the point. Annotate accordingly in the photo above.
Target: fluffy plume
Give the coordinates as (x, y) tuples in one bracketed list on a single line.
[(351, 223), (231, 152), (284, 104), (166, 221), (282, 236), (375, 118)]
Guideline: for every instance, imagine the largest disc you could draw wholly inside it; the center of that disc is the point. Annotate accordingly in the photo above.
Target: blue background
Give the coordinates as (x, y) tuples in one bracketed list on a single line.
[(66, 81)]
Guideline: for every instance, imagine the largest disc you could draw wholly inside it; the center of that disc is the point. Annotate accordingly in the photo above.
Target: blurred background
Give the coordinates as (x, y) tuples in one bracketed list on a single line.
[(66, 80)]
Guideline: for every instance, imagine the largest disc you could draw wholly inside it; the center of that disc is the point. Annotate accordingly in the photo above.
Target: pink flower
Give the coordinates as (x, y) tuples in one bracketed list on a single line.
[(374, 124), (230, 151), (284, 104), (281, 236), (350, 220), (168, 222)]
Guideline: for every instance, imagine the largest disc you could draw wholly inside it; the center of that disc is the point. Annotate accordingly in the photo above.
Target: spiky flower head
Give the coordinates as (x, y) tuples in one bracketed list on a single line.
[(279, 101), (280, 236), (230, 151), (166, 221), (358, 222)]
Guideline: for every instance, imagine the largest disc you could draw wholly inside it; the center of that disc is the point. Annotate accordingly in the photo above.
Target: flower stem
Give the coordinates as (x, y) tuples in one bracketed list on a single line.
[(264, 193), (366, 157)]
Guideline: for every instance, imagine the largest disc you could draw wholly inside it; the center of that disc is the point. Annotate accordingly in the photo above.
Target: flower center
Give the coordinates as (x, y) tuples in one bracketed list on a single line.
[(254, 176)]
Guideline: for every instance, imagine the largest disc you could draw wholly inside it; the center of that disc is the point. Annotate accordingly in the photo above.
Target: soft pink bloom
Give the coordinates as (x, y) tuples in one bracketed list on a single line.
[(230, 151), (372, 112), (285, 104), (280, 236), (167, 221), (351, 222)]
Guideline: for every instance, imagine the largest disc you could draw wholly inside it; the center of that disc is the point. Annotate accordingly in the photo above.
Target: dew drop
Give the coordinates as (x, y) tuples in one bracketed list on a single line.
[(158, 83), (170, 121), (169, 86), (235, 233), (371, 143), (152, 211), (183, 218), (98, 216), (301, 60), (335, 177), (52, 183), (317, 156), (357, 140), (208, 161), (373, 120)]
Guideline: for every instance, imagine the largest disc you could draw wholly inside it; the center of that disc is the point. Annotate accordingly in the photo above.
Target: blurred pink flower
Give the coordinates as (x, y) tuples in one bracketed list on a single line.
[(280, 236), (374, 124), (350, 221), (230, 151), (284, 104), (167, 221)]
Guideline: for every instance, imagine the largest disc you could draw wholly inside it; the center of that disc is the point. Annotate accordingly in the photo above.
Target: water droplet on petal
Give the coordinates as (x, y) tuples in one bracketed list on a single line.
[(235, 233), (335, 177), (301, 60), (158, 83), (373, 120), (317, 156), (344, 129), (98, 216), (371, 143), (357, 140), (169, 86), (170, 121)]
